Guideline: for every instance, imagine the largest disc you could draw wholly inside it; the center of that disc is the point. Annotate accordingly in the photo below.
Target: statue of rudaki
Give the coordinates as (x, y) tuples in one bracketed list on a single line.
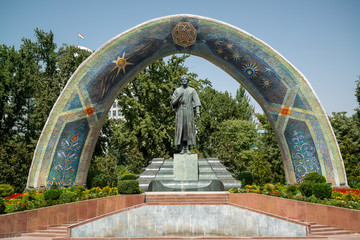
[(183, 101)]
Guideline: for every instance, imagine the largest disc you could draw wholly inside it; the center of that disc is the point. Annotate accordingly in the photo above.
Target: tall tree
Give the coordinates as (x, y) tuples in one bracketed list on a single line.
[(245, 107), (216, 108), (347, 132), (268, 154), (233, 143)]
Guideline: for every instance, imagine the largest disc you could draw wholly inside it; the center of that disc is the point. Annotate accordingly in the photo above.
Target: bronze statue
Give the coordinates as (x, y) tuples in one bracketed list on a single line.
[(183, 101)]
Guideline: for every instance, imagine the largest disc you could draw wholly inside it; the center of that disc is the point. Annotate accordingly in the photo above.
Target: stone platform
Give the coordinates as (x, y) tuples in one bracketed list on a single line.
[(323, 222), (159, 176)]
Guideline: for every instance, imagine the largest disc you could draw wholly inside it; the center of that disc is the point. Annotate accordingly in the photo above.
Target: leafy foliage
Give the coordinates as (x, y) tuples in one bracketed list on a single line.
[(315, 177), (52, 194), (233, 143), (293, 189), (6, 190), (246, 178), (322, 190), (128, 177), (129, 187), (347, 132), (306, 188)]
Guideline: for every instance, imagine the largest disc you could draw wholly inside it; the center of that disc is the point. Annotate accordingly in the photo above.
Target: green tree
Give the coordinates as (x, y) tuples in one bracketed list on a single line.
[(15, 160), (216, 108), (347, 132), (268, 152), (244, 105), (233, 144)]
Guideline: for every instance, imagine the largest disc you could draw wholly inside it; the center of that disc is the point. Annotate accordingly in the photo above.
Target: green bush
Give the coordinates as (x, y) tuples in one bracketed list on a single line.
[(52, 194), (128, 176), (66, 197), (306, 188), (2, 206), (6, 190), (292, 189), (246, 178), (269, 187), (91, 175), (54, 186), (315, 177), (322, 190), (128, 187), (100, 180)]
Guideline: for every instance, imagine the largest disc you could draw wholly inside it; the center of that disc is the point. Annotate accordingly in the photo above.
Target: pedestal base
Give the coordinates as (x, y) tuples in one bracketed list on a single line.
[(186, 167)]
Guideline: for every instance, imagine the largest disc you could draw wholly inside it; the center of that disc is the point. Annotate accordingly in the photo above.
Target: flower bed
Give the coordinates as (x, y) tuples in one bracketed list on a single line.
[(34, 199), (340, 197)]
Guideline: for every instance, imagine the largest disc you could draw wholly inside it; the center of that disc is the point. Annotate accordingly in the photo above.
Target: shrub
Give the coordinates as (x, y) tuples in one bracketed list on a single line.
[(322, 190), (128, 176), (6, 190), (292, 189), (306, 188), (353, 184), (52, 194), (246, 178), (269, 187), (2, 206), (349, 197), (66, 197), (128, 187), (315, 177), (100, 180), (54, 186), (91, 175)]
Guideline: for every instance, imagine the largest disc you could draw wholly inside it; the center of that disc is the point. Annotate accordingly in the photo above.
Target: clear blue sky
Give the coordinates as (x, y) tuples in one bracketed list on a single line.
[(319, 37)]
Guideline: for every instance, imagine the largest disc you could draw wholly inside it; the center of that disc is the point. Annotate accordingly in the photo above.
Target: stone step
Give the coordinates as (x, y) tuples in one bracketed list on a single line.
[(329, 233), (324, 229), (43, 234), (52, 230), (187, 198)]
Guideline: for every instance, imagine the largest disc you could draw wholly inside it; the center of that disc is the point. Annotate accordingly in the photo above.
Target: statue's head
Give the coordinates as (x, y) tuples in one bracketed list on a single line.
[(184, 79)]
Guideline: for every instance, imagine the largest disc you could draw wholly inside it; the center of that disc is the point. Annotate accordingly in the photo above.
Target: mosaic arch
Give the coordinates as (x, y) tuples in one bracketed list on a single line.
[(304, 134)]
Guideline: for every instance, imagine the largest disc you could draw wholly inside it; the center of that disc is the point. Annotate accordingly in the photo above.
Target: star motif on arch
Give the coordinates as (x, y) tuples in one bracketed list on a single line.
[(266, 83), (285, 111), (236, 56), (250, 70), (121, 63), (89, 110), (219, 50)]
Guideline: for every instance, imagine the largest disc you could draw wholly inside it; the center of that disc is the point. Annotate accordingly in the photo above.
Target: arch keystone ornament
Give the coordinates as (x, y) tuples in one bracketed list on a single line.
[(306, 140)]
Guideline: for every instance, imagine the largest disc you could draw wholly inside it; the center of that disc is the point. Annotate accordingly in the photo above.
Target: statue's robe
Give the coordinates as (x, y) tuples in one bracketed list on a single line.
[(185, 120)]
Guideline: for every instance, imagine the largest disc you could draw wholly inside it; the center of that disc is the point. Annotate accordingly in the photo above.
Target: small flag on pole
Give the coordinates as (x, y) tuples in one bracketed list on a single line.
[(81, 36)]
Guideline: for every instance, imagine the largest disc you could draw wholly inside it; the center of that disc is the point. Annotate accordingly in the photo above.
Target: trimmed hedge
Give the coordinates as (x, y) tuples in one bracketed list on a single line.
[(246, 178), (315, 177), (306, 188), (128, 176), (322, 190), (52, 194), (129, 187)]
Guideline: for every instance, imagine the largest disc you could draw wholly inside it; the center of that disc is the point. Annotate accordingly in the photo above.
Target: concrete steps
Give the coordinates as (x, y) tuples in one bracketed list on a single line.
[(50, 233), (326, 230), (186, 197)]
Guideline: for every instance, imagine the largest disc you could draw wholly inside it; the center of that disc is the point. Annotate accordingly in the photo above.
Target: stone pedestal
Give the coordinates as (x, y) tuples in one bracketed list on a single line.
[(186, 167)]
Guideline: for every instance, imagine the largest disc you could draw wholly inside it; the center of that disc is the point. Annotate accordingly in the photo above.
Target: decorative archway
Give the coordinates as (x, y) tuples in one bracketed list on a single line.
[(304, 134)]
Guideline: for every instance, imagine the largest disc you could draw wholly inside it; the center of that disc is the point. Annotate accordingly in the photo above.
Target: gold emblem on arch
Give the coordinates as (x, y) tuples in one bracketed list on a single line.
[(184, 34)]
